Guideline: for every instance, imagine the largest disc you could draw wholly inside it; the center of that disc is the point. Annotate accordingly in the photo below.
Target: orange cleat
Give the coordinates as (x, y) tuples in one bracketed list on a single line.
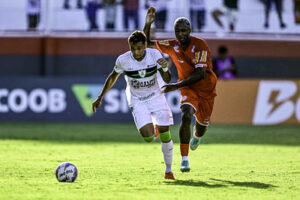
[(169, 175)]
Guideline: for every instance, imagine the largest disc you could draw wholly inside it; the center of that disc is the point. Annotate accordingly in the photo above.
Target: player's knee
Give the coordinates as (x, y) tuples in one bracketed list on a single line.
[(163, 129), (165, 136), (149, 139), (186, 117)]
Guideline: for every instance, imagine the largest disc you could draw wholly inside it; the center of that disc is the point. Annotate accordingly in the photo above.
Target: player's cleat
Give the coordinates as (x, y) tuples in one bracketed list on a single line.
[(169, 175), (194, 143), (184, 167), (156, 133)]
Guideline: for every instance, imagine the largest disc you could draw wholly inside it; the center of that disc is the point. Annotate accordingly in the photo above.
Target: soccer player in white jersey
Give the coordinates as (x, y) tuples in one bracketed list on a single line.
[(148, 105)]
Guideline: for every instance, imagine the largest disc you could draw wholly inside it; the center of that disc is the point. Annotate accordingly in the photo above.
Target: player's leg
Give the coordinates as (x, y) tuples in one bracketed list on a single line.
[(187, 111), (167, 149), (162, 115), (198, 131), (147, 132), (204, 110), (143, 120)]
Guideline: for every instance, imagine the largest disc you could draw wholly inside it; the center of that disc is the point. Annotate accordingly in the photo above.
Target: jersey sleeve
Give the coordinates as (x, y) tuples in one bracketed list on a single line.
[(118, 67), (163, 46), (157, 55), (202, 53)]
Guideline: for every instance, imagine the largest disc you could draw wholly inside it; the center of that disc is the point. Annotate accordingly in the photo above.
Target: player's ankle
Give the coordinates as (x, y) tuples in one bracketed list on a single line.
[(184, 158)]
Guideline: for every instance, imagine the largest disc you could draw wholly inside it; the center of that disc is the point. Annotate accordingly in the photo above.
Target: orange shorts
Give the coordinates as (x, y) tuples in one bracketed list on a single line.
[(202, 106)]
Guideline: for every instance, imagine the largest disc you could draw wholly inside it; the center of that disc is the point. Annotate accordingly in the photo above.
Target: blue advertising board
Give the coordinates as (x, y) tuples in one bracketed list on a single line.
[(67, 100)]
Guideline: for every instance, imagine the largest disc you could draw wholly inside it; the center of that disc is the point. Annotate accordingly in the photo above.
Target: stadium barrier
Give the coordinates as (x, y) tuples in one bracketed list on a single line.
[(258, 102), (65, 55)]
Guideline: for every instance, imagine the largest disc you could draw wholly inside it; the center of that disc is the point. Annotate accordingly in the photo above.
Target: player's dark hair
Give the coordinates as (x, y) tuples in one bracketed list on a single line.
[(222, 49), (137, 36), (182, 20)]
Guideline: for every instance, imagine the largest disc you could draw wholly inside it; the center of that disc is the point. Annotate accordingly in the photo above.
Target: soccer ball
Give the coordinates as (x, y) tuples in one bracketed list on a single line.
[(66, 172)]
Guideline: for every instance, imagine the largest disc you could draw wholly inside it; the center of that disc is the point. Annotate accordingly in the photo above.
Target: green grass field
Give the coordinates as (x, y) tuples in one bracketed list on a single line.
[(234, 162)]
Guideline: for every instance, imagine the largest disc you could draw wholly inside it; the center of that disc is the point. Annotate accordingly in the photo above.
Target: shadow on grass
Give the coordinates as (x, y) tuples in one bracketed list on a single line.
[(194, 183), (224, 183), (94, 133), (256, 185)]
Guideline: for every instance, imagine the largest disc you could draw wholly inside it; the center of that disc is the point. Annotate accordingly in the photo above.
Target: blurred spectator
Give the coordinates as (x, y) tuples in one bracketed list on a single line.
[(197, 14), (91, 11), (297, 11), (110, 7), (160, 14), (33, 14), (131, 10), (67, 4), (229, 9), (278, 4), (224, 65)]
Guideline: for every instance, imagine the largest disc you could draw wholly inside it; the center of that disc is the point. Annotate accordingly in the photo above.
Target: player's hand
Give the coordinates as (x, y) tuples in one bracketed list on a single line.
[(163, 62), (169, 87), (150, 15), (96, 104)]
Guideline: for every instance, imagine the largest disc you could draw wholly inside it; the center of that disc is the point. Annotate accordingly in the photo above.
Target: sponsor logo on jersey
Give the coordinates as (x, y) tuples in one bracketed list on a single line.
[(204, 56), (193, 49), (142, 84), (197, 56), (164, 42), (142, 73), (206, 120), (199, 65), (181, 61), (153, 65), (146, 97), (176, 48)]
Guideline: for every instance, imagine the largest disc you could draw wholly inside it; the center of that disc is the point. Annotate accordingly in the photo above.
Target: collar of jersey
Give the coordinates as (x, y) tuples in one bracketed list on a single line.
[(136, 59)]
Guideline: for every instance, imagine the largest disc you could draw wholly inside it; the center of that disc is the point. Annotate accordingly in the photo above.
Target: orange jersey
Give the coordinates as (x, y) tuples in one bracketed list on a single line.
[(196, 55)]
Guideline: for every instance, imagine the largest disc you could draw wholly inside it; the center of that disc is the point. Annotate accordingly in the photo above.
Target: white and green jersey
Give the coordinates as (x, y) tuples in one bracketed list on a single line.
[(141, 76)]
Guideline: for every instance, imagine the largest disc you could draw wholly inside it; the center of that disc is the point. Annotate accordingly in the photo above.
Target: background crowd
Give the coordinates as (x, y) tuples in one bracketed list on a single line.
[(225, 13)]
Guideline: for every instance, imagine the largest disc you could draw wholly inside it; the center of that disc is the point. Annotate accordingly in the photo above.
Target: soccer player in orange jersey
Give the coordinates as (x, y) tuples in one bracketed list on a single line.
[(197, 81)]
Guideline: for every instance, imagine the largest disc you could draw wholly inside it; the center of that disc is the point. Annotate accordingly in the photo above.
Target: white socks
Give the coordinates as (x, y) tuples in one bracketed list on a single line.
[(167, 149), (185, 158)]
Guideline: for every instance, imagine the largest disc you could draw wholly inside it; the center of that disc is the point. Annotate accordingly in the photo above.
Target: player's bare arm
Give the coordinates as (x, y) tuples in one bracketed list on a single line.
[(164, 71), (198, 75), (110, 81), (149, 20)]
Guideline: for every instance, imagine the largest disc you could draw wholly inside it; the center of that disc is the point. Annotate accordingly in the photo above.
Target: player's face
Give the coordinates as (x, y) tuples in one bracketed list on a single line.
[(182, 32), (138, 50)]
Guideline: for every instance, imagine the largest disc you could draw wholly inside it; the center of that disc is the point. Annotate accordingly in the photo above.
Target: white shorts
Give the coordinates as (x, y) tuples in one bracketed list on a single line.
[(155, 110)]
